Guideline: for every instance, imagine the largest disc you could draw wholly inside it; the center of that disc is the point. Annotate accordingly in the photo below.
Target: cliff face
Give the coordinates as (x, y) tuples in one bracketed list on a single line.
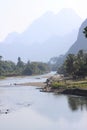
[(81, 42)]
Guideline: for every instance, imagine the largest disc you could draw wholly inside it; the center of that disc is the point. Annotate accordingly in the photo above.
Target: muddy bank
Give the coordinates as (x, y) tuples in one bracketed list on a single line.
[(78, 92), (71, 91)]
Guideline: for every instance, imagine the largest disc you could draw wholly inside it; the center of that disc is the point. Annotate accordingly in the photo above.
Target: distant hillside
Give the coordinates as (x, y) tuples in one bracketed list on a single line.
[(48, 36), (81, 42)]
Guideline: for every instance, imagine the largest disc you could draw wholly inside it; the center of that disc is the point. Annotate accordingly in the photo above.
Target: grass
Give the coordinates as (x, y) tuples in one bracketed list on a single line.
[(58, 85), (78, 84), (70, 84)]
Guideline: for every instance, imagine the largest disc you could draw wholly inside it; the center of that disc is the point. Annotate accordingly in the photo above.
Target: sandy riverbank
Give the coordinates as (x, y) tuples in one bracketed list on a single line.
[(78, 92), (38, 84)]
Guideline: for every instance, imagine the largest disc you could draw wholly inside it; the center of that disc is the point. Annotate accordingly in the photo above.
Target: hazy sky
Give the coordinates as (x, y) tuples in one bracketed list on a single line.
[(17, 15)]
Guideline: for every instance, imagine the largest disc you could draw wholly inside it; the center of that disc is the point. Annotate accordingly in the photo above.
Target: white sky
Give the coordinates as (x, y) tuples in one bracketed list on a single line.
[(17, 15)]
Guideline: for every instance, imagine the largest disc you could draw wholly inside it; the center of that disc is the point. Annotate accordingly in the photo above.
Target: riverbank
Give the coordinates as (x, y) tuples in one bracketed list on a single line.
[(37, 84), (62, 86), (57, 84), (67, 91)]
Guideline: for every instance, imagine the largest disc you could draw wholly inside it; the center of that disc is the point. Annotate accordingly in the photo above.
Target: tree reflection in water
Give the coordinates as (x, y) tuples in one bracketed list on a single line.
[(76, 103)]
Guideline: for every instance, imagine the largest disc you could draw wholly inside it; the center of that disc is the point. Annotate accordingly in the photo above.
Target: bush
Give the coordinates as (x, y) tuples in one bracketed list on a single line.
[(57, 85)]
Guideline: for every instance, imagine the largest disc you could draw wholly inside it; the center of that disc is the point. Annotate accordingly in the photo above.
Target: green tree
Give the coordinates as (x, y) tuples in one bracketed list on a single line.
[(75, 65), (20, 63), (69, 64)]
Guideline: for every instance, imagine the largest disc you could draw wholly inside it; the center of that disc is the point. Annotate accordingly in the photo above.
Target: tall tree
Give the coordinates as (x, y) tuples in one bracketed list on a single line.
[(69, 64), (20, 63)]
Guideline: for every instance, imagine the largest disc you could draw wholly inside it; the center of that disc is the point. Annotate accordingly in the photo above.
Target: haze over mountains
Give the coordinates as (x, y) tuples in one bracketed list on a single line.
[(48, 36), (81, 42)]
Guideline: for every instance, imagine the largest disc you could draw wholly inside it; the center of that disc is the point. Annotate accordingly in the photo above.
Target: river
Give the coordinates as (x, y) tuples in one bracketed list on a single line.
[(26, 108)]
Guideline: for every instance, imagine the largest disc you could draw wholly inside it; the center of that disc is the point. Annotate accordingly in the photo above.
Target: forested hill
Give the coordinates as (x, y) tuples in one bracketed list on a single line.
[(9, 68)]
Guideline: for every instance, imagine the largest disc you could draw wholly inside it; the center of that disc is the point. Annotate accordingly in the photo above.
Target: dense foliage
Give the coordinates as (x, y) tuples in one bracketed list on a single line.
[(9, 68), (75, 65)]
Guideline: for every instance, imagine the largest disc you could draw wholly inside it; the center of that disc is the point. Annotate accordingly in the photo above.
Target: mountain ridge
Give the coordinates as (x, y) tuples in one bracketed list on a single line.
[(38, 39), (81, 42)]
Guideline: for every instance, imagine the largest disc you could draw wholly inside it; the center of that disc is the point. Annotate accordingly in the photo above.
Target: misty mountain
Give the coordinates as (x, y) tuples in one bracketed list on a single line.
[(11, 38), (49, 25), (81, 42), (48, 36)]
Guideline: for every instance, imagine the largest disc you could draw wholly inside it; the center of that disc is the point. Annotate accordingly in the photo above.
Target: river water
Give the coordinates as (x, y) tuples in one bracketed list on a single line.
[(26, 108)]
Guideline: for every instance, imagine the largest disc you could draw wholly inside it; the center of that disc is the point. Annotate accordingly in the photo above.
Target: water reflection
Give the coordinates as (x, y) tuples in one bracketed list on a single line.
[(76, 103), (40, 111), (46, 111), (28, 119)]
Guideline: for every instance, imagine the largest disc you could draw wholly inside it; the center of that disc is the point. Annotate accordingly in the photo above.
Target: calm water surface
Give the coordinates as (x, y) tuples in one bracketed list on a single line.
[(29, 109)]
